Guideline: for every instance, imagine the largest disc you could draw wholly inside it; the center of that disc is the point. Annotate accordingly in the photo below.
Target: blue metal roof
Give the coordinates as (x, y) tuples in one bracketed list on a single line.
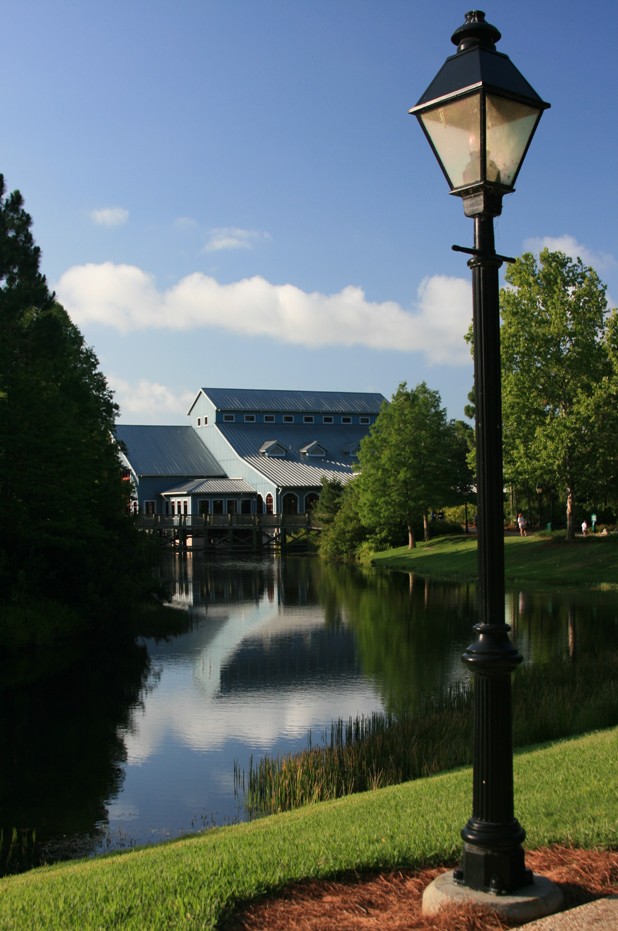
[(306, 402), (213, 486), (295, 468), (167, 450)]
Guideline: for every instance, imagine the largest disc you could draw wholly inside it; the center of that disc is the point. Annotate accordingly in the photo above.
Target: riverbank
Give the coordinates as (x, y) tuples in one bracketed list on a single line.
[(561, 797), (536, 560)]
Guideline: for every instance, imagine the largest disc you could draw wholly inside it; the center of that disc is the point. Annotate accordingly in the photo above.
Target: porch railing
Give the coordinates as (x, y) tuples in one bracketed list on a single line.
[(201, 522)]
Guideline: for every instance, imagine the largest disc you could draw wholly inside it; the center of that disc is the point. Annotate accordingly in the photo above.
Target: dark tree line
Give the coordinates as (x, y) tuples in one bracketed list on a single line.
[(65, 536)]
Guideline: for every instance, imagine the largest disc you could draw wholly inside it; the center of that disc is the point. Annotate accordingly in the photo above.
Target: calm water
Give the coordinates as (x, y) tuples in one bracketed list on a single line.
[(110, 750)]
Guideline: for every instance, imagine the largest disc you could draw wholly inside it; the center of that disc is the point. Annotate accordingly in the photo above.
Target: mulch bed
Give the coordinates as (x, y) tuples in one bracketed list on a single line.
[(393, 900)]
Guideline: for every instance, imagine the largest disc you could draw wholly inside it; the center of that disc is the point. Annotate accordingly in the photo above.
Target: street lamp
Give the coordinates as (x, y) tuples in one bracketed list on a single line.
[(479, 115)]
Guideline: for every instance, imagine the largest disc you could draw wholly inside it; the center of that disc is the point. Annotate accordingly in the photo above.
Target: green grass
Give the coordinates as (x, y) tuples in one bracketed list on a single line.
[(565, 793), (540, 559)]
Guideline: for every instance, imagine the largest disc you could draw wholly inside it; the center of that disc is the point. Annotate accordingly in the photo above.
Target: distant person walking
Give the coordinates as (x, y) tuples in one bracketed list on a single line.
[(584, 527), (521, 523)]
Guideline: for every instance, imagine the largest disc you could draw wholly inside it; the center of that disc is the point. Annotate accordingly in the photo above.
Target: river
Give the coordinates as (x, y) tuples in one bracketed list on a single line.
[(108, 750)]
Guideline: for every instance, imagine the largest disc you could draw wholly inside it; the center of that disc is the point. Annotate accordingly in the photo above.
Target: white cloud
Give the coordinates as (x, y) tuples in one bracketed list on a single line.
[(185, 224), (110, 216), (147, 400), (126, 298), (575, 250), (231, 237)]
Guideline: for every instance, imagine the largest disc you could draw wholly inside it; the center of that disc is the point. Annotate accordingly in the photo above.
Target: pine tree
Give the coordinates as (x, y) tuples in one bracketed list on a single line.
[(64, 531)]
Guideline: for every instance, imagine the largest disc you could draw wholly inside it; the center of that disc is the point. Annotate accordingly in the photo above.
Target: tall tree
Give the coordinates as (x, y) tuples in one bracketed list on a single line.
[(558, 377), (329, 502), (64, 532), (406, 462), (342, 532)]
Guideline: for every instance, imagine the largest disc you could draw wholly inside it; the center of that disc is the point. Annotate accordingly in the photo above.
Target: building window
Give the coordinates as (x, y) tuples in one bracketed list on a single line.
[(205, 420), (199, 421), (231, 506), (185, 507), (328, 419), (288, 418), (269, 418), (269, 504), (290, 503), (346, 420), (308, 418), (229, 418), (217, 506), (204, 506), (365, 420), (249, 418)]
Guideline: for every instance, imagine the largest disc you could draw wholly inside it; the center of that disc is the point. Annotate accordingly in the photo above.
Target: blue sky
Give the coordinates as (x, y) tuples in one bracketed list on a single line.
[(231, 193)]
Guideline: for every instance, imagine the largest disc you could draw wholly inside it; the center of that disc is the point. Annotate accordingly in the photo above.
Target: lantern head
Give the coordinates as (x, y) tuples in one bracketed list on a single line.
[(479, 114)]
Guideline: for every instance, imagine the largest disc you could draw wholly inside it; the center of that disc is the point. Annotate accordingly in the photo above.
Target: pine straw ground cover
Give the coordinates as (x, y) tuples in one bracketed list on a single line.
[(393, 900)]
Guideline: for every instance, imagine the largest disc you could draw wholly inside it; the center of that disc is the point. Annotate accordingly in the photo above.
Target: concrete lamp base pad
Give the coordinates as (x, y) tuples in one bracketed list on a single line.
[(542, 897)]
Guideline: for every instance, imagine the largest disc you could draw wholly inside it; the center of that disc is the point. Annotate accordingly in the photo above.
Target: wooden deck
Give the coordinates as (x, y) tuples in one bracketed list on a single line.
[(232, 532)]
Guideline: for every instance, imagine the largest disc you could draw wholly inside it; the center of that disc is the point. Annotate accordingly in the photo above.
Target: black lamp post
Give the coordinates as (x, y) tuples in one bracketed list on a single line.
[(479, 115)]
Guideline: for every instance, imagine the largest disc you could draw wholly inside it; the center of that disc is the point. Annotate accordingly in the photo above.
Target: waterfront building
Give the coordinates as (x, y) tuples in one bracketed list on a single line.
[(247, 452)]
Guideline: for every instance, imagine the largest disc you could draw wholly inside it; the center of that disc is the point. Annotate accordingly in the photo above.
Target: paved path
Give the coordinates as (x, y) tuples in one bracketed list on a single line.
[(601, 915)]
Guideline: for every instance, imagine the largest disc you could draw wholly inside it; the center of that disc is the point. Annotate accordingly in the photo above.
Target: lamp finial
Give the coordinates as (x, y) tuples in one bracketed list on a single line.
[(475, 32)]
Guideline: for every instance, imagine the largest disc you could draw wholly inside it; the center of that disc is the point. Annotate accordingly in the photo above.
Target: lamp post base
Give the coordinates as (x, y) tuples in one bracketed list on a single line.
[(541, 897), (497, 871)]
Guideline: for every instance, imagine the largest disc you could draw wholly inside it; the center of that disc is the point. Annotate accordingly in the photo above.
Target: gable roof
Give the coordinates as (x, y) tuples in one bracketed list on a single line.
[(305, 402), (248, 441), (167, 450)]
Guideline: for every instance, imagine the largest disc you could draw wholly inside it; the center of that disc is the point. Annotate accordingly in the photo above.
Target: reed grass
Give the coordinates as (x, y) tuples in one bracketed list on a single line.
[(17, 849), (371, 752)]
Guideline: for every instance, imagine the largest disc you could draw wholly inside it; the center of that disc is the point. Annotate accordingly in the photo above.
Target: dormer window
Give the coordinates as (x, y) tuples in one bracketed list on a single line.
[(249, 418), (229, 418), (352, 450), (272, 449), (313, 450), (346, 420), (308, 418)]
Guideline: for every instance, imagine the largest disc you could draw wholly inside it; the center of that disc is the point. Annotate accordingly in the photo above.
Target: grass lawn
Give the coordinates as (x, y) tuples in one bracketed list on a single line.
[(565, 793), (590, 562)]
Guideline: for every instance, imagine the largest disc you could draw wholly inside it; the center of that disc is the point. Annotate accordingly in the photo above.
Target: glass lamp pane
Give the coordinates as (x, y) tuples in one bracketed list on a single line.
[(454, 131), (509, 128)]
